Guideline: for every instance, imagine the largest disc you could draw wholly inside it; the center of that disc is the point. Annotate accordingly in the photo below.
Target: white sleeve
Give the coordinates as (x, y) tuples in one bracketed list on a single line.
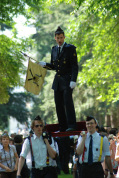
[(79, 141), (53, 144), (25, 148), (106, 146)]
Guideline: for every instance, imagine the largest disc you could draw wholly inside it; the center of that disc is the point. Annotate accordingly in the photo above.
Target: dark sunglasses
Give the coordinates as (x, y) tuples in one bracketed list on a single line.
[(38, 125)]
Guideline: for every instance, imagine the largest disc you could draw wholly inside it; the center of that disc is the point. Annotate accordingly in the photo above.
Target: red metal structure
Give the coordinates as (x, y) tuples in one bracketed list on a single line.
[(53, 128)]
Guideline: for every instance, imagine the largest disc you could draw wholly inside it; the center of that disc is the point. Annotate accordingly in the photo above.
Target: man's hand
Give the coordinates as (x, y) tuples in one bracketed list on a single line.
[(83, 134), (72, 84), (42, 63), (47, 137), (112, 176), (8, 169)]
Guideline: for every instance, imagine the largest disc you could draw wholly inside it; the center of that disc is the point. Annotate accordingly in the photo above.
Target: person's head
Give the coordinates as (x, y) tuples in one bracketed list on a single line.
[(91, 124), (12, 135), (111, 137), (59, 36), (11, 141), (97, 128), (37, 126), (18, 139), (5, 139)]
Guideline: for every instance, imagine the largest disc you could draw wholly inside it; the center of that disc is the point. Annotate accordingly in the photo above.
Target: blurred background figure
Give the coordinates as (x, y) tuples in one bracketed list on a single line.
[(112, 147), (18, 141), (8, 158), (64, 153)]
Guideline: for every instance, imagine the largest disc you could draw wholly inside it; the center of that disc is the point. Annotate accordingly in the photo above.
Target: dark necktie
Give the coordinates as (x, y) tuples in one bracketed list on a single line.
[(59, 48), (90, 153)]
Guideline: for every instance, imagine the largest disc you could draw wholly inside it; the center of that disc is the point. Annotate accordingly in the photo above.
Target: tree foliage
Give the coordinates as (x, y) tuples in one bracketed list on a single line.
[(11, 61), (95, 31), (9, 9), (11, 65), (16, 108)]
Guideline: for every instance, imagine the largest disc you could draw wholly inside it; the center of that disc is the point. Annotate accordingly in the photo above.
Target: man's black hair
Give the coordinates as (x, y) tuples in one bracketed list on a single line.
[(38, 118), (59, 31), (90, 118)]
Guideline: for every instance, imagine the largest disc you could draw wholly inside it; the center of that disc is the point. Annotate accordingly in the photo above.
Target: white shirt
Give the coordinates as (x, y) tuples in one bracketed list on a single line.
[(1, 146), (96, 147), (39, 152), (61, 47), (53, 162)]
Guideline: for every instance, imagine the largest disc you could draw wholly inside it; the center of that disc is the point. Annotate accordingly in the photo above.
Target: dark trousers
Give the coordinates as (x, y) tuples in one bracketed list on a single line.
[(8, 174), (65, 109), (91, 171), (48, 172)]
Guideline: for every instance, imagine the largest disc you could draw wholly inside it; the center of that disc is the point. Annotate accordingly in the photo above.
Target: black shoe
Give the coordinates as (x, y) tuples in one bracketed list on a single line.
[(60, 131), (57, 131), (70, 129)]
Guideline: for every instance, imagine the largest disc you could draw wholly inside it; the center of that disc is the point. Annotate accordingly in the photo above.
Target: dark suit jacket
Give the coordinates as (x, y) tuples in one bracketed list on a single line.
[(65, 65)]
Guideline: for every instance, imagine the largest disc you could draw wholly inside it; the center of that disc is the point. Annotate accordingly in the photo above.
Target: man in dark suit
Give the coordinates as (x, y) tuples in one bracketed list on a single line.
[(64, 62)]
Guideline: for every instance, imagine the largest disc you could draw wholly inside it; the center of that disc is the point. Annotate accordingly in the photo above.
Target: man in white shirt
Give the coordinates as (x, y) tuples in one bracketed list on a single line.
[(41, 152), (93, 148)]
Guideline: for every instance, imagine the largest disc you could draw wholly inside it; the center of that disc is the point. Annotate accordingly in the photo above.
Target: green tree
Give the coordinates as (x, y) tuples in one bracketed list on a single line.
[(9, 9), (16, 108), (95, 29), (98, 33), (11, 61), (11, 65)]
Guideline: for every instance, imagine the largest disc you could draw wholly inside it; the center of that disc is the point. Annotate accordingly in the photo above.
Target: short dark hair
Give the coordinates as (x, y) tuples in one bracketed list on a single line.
[(90, 118), (59, 31), (18, 139), (38, 118)]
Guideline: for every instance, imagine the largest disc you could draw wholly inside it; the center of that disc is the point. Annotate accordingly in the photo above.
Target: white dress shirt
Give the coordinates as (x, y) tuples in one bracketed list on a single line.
[(61, 47), (96, 147), (39, 151)]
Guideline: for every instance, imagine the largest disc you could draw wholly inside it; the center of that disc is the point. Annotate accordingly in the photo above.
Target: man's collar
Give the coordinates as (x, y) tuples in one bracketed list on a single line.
[(94, 134), (62, 45), (35, 136)]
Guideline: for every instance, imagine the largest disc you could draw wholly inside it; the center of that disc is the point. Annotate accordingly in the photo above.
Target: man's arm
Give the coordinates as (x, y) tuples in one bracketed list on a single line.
[(20, 165), (51, 151), (80, 147), (17, 159), (74, 64), (109, 165), (117, 153)]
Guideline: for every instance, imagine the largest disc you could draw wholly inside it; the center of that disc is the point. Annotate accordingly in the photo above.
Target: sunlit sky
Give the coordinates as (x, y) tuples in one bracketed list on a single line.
[(23, 30)]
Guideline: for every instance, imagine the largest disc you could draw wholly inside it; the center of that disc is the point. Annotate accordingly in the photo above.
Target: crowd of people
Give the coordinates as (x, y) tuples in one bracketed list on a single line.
[(40, 155), (94, 154)]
